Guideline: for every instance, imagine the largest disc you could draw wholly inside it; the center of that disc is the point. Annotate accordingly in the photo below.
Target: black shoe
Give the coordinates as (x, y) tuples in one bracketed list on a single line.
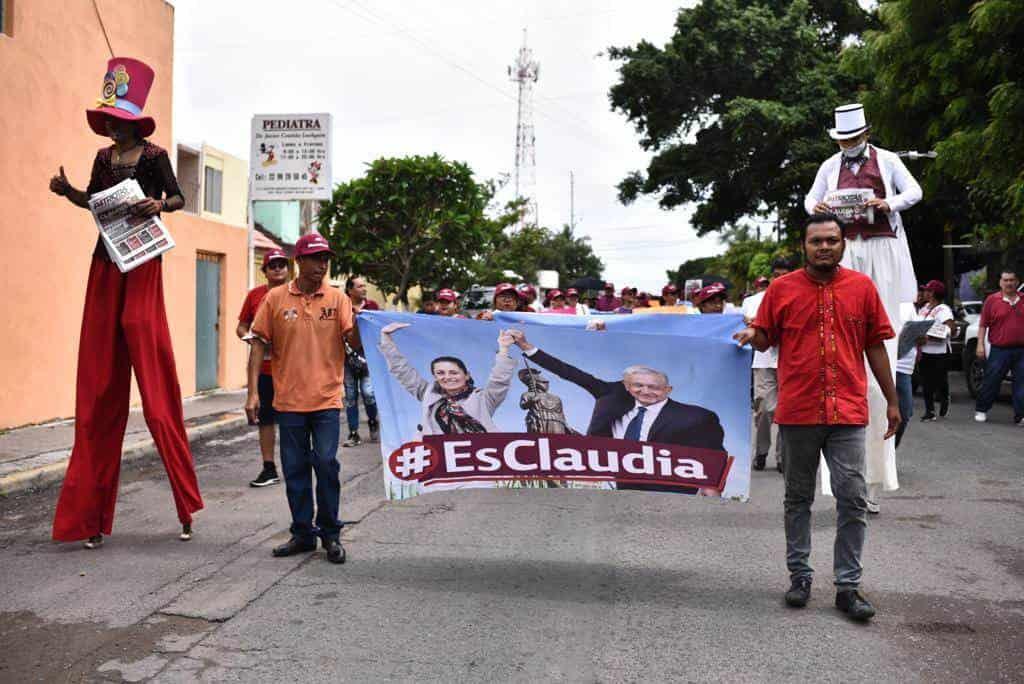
[(943, 410), (799, 592), (759, 461), (267, 476), (93, 542), (853, 603), (928, 417), (294, 546), (186, 532), (335, 551), (353, 440), (374, 430)]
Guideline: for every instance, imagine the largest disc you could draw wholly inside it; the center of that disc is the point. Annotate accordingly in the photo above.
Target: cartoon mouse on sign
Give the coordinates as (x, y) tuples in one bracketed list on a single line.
[(314, 172)]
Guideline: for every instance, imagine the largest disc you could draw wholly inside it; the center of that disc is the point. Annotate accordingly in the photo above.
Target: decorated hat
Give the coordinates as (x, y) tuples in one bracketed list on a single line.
[(850, 122), (125, 89), (707, 292), (445, 295), (502, 288)]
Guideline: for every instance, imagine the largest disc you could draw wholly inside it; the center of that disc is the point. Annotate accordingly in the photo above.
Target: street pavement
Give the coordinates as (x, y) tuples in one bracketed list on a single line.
[(525, 585)]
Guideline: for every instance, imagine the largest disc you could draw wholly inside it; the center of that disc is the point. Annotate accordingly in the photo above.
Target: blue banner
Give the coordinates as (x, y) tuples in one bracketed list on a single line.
[(653, 403)]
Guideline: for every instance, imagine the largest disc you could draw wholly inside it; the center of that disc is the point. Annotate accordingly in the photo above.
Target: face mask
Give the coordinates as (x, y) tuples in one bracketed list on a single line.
[(854, 152)]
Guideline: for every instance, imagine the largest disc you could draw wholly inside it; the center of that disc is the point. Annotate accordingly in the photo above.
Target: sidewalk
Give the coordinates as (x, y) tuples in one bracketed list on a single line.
[(37, 455)]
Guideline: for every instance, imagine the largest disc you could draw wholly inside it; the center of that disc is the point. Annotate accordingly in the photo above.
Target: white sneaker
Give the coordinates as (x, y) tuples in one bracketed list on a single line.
[(980, 417), (873, 507)]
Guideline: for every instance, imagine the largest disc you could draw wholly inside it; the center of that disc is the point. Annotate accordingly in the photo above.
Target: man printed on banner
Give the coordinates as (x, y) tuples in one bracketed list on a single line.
[(878, 249)]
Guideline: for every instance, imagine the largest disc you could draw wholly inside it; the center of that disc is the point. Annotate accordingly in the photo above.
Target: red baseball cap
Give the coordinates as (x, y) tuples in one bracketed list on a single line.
[(628, 290), (502, 288), (555, 293), (446, 295), (312, 243), (572, 291), (761, 280), (669, 289), (708, 291), (935, 286), (273, 255), (527, 290)]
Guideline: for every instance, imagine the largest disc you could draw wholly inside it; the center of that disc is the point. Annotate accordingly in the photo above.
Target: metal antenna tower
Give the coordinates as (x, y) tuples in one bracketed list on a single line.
[(525, 72)]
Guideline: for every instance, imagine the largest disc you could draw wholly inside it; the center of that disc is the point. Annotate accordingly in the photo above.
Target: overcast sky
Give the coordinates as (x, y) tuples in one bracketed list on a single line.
[(405, 77)]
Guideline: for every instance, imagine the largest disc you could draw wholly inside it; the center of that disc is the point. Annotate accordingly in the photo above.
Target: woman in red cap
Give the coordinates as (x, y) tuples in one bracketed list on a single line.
[(124, 327), (934, 360)]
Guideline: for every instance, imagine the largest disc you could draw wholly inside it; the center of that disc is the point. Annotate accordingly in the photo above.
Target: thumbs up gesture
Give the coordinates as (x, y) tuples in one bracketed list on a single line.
[(59, 184)]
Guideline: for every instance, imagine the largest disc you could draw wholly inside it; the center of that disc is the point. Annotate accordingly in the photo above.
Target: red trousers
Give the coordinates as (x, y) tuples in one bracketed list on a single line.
[(124, 326)]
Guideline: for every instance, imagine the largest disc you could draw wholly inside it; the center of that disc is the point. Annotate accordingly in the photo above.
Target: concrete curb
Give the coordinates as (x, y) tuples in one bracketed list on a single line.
[(44, 475)]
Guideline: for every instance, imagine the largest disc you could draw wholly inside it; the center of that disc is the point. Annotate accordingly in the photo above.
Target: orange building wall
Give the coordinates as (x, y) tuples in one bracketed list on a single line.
[(52, 69)]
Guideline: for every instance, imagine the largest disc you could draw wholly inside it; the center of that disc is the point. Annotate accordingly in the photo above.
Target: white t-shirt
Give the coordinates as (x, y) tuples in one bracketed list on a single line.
[(940, 314), (765, 359), (619, 426)]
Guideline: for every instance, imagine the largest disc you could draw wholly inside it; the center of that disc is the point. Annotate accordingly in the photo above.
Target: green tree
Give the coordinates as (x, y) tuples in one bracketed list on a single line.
[(412, 221), (690, 269), (949, 75), (534, 248), (735, 106)]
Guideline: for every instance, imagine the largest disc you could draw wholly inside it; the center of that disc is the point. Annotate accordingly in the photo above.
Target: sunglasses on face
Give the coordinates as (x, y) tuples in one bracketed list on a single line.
[(274, 265)]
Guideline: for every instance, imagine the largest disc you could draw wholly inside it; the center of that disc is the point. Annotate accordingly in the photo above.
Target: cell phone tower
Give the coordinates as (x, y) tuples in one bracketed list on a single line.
[(525, 72)]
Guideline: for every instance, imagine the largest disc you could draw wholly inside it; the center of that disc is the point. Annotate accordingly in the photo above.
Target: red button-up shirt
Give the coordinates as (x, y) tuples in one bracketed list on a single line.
[(1005, 321), (822, 330)]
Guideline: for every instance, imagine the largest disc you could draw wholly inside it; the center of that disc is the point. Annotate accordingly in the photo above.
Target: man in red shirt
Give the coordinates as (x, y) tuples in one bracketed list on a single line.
[(275, 267), (824, 319), (1002, 317)]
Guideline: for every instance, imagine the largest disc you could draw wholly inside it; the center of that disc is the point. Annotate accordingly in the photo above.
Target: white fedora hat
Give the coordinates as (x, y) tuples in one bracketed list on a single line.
[(850, 122)]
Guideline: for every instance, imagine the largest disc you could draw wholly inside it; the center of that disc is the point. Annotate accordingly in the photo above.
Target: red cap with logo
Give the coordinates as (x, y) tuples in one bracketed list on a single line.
[(571, 292), (708, 291), (274, 254), (502, 288), (935, 286), (446, 295), (553, 294), (669, 289), (527, 290), (312, 243)]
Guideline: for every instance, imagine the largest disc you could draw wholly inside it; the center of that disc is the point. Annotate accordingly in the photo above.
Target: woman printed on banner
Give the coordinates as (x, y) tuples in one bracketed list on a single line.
[(451, 403)]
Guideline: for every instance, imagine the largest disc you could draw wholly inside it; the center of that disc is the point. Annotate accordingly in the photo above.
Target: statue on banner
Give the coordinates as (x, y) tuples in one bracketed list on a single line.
[(544, 411)]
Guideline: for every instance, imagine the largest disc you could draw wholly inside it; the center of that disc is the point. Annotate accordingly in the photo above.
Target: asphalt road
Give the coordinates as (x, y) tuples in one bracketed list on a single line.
[(526, 585)]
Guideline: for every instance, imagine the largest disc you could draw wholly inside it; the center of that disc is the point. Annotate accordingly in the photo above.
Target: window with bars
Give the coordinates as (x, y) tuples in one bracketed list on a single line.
[(212, 189)]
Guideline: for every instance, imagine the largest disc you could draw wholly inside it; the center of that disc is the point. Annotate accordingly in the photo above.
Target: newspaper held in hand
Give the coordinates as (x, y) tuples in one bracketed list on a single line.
[(850, 204), (130, 240)]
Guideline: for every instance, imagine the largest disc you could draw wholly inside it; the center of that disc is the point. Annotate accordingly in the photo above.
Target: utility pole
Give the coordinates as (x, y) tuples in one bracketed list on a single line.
[(525, 72)]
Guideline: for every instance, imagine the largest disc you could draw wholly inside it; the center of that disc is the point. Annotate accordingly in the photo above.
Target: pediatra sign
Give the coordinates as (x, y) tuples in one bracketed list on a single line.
[(290, 157), (528, 402)]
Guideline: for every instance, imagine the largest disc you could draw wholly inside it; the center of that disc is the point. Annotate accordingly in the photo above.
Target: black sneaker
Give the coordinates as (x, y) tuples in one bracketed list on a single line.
[(759, 461), (928, 418), (353, 440), (294, 546), (799, 592), (267, 476), (93, 542), (944, 410), (374, 430), (854, 604), (335, 551)]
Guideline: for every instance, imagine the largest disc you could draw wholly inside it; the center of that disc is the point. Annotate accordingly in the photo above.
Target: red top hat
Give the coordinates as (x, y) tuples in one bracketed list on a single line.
[(125, 89)]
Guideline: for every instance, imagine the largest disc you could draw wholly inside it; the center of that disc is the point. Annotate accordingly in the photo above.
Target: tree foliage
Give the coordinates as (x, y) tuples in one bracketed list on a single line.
[(948, 75), (412, 221), (535, 248), (735, 106)]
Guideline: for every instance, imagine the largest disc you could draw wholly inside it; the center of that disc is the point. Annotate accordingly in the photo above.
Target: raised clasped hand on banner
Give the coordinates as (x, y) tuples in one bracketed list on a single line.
[(505, 340), (519, 339), (393, 327)]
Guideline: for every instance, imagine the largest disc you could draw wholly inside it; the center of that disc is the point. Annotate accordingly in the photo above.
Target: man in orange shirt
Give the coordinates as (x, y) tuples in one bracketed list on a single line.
[(305, 323), (825, 319)]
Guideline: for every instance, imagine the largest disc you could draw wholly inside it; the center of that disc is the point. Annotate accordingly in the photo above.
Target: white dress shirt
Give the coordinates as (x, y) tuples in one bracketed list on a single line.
[(619, 427)]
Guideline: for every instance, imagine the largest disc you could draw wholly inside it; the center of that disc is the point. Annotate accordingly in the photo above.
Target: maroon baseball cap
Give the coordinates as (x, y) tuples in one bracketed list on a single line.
[(935, 286), (572, 291), (761, 280), (274, 254), (502, 288), (609, 286), (628, 290), (555, 293), (669, 289), (446, 295), (708, 291), (312, 243), (527, 290)]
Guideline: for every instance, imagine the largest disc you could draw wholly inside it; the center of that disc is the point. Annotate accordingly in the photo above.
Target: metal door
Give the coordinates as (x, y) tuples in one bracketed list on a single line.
[(207, 320)]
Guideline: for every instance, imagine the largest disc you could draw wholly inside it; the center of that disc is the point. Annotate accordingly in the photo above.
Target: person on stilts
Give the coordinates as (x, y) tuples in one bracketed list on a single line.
[(124, 327)]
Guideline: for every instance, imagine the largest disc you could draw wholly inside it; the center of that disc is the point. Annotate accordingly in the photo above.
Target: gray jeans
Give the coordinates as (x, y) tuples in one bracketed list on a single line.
[(766, 398), (843, 447)]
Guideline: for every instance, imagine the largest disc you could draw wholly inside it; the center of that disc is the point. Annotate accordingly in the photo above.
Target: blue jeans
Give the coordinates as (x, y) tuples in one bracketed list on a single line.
[(1000, 361), (905, 390), (843, 447), (354, 386), (309, 443)]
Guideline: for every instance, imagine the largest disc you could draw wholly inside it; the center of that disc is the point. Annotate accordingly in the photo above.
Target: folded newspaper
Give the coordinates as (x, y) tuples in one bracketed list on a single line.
[(130, 240), (850, 204)]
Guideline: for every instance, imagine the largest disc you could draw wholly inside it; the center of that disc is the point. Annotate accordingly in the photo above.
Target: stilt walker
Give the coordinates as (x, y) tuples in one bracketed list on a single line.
[(876, 245), (124, 327)]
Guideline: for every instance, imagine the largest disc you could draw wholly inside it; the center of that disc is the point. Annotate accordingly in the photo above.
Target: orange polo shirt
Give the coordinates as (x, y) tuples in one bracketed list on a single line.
[(305, 333)]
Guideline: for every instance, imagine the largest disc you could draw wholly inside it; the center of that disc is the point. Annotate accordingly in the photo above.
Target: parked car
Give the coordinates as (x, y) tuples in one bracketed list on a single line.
[(476, 299), (974, 370), (963, 316)]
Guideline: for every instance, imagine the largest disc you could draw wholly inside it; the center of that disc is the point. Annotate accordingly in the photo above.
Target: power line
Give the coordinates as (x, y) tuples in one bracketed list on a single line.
[(103, 27)]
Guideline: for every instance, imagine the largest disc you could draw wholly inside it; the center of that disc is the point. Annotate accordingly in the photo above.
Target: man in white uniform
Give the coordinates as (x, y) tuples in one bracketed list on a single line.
[(877, 246)]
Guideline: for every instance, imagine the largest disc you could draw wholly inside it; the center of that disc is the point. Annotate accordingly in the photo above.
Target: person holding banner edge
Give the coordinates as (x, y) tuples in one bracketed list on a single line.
[(825, 319), (124, 327)]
